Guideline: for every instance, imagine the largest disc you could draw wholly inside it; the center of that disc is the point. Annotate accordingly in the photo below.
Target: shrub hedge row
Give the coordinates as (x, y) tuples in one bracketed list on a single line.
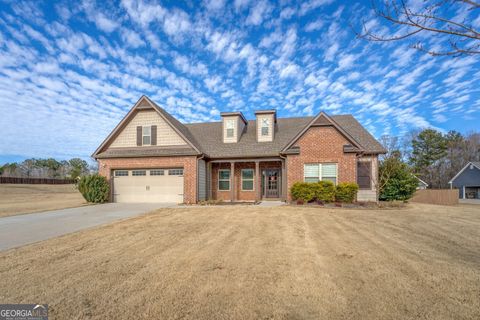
[(324, 191)]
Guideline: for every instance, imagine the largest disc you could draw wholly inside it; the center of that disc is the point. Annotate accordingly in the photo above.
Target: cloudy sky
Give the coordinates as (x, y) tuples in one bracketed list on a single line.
[(69, 73)]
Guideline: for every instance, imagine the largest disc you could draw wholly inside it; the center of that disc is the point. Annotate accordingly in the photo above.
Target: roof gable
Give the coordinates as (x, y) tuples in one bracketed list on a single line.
[(144, 104), (475, 164), (322, 119)]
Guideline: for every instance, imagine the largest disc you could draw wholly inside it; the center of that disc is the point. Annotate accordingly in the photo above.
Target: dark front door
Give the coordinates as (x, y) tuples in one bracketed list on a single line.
[(271, 183)]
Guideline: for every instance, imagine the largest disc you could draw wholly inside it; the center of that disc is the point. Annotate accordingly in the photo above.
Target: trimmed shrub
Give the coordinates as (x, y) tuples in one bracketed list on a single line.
[(346, 192), (94, 188), (303, 191), (324, 191)]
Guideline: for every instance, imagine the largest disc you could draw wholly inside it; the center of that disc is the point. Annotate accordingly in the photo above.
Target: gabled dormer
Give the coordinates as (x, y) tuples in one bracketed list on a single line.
[(233, 124), (266, 120)]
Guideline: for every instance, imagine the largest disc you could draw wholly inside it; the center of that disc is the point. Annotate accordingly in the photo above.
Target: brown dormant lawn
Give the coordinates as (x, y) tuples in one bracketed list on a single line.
[(26, 198), (420, 262)]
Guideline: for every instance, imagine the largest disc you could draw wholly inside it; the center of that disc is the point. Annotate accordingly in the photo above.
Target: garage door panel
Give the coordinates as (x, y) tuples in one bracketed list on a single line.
[(155, 188)]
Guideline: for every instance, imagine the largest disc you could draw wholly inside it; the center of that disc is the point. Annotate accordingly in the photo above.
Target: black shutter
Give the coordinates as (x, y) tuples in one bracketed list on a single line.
[(364, 174), (153, 131), (139, 135)]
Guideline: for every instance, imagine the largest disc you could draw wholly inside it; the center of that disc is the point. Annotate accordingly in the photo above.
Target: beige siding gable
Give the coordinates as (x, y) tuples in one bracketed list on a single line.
[(166, 135)]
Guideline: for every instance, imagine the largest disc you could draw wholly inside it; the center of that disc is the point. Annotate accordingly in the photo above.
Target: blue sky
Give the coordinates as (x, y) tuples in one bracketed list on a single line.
[(70, 71)]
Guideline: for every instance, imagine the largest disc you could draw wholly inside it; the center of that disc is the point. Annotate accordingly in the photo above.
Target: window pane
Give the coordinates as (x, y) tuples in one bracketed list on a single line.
[(329, 170), (224, 174), (247, 174), (311, 179), (264, 131), (156, 172), (229, 133), (121, 173), (223, 185), (139, 173), (230, 124), (333, 179), (364, 172), (146, 130), (146, 139), (247, 185), (175, 172), (311, 170)]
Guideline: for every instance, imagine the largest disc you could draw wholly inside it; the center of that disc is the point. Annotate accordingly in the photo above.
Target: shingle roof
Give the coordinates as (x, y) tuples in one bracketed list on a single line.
[(146, 152), (209, 137)]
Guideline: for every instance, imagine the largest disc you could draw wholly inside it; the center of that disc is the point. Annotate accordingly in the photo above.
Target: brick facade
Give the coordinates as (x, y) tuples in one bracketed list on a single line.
[(317, 145), (188, 163)]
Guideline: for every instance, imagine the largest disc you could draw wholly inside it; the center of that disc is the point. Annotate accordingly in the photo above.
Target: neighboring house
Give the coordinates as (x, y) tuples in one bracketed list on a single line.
[(467, 181), (422, 185), (151, 157)]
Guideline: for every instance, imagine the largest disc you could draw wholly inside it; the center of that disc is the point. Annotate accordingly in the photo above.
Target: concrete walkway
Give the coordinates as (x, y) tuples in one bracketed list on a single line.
[(271, 204), (23, 229)]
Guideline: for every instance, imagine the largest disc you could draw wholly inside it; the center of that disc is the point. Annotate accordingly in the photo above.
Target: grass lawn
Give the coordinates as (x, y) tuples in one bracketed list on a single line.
[(26, 198), (420, 262)]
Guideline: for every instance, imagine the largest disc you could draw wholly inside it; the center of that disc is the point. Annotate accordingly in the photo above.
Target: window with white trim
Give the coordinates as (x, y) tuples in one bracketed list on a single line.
[(314, 172), (224, 179), (139, 172), (121, 173), (230, 127), (157, 172), (247, 179), (175, 172), (265, 126), (146, 135)]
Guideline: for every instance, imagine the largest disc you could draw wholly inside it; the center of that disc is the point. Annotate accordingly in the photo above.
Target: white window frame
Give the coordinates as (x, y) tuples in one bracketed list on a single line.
[(229, 180), (253, 179), (320, 174), (265, 125), (230, 125), (120, 175), (175, 172), (157, 172), (138, 171), (149, 135)]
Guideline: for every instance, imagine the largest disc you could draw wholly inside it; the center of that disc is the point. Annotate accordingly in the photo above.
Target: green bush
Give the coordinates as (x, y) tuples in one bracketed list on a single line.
[(346, 192), (303, 191), (397, 181), (324, 191), (94, 188)]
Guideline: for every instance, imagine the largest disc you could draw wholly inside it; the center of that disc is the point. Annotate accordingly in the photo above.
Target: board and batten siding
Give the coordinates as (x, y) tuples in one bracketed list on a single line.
[(202, 180), (369, 194), (268, 137), (166, 136)]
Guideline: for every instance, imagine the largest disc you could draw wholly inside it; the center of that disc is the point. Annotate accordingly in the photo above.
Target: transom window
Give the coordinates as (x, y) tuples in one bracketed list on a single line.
[(121, 173), (146, 135), (265, 127), (157, 172), (175, 172), (314, 172), (224, 179), (247, 180), (230, 127), (139, 173)]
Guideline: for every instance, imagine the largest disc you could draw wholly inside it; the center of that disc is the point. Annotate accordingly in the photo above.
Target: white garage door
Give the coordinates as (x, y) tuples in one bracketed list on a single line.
[(148, 185)]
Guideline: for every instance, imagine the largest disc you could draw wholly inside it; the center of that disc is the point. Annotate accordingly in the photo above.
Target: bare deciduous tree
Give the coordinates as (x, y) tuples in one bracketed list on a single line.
[(433, 17)]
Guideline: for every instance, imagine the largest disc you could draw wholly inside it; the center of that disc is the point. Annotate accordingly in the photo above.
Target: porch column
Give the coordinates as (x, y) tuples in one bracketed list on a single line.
[(283, 177), (232, 181), (258, 182)]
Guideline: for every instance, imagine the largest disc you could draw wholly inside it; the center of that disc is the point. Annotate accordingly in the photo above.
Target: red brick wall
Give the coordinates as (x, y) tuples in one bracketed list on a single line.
[(189, 165), (317, 145), (239, 194)]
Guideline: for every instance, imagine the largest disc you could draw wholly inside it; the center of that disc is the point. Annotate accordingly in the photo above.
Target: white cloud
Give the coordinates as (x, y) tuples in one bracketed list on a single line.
[(290, 70), (131, 38), (215, 4), (312, 5), (314, 26), (104, 23), (258, 13)]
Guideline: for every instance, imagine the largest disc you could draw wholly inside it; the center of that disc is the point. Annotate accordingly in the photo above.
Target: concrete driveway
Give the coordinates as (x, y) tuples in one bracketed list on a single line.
[(19, 230)]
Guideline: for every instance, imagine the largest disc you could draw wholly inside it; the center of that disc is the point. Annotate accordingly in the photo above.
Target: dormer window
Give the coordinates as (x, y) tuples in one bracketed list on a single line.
[(146, 135), (265, 126), (230, 127)]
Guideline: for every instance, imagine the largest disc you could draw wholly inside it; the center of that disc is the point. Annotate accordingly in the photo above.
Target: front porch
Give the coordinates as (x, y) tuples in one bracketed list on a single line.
[(252, 180)]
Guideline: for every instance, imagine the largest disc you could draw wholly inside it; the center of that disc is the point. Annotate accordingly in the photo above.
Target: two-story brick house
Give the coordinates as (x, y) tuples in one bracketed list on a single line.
[(152, 157)]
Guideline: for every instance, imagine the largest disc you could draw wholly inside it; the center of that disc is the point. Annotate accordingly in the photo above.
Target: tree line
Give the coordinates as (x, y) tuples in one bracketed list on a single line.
[(47, 168), (430, 155)]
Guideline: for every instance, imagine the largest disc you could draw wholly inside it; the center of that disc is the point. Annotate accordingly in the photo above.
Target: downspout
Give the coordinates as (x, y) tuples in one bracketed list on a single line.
[(202, 156), (284, 179)]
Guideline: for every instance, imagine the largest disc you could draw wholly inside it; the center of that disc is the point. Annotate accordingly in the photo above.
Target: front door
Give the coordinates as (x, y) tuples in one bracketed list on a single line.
[(271, 183)]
